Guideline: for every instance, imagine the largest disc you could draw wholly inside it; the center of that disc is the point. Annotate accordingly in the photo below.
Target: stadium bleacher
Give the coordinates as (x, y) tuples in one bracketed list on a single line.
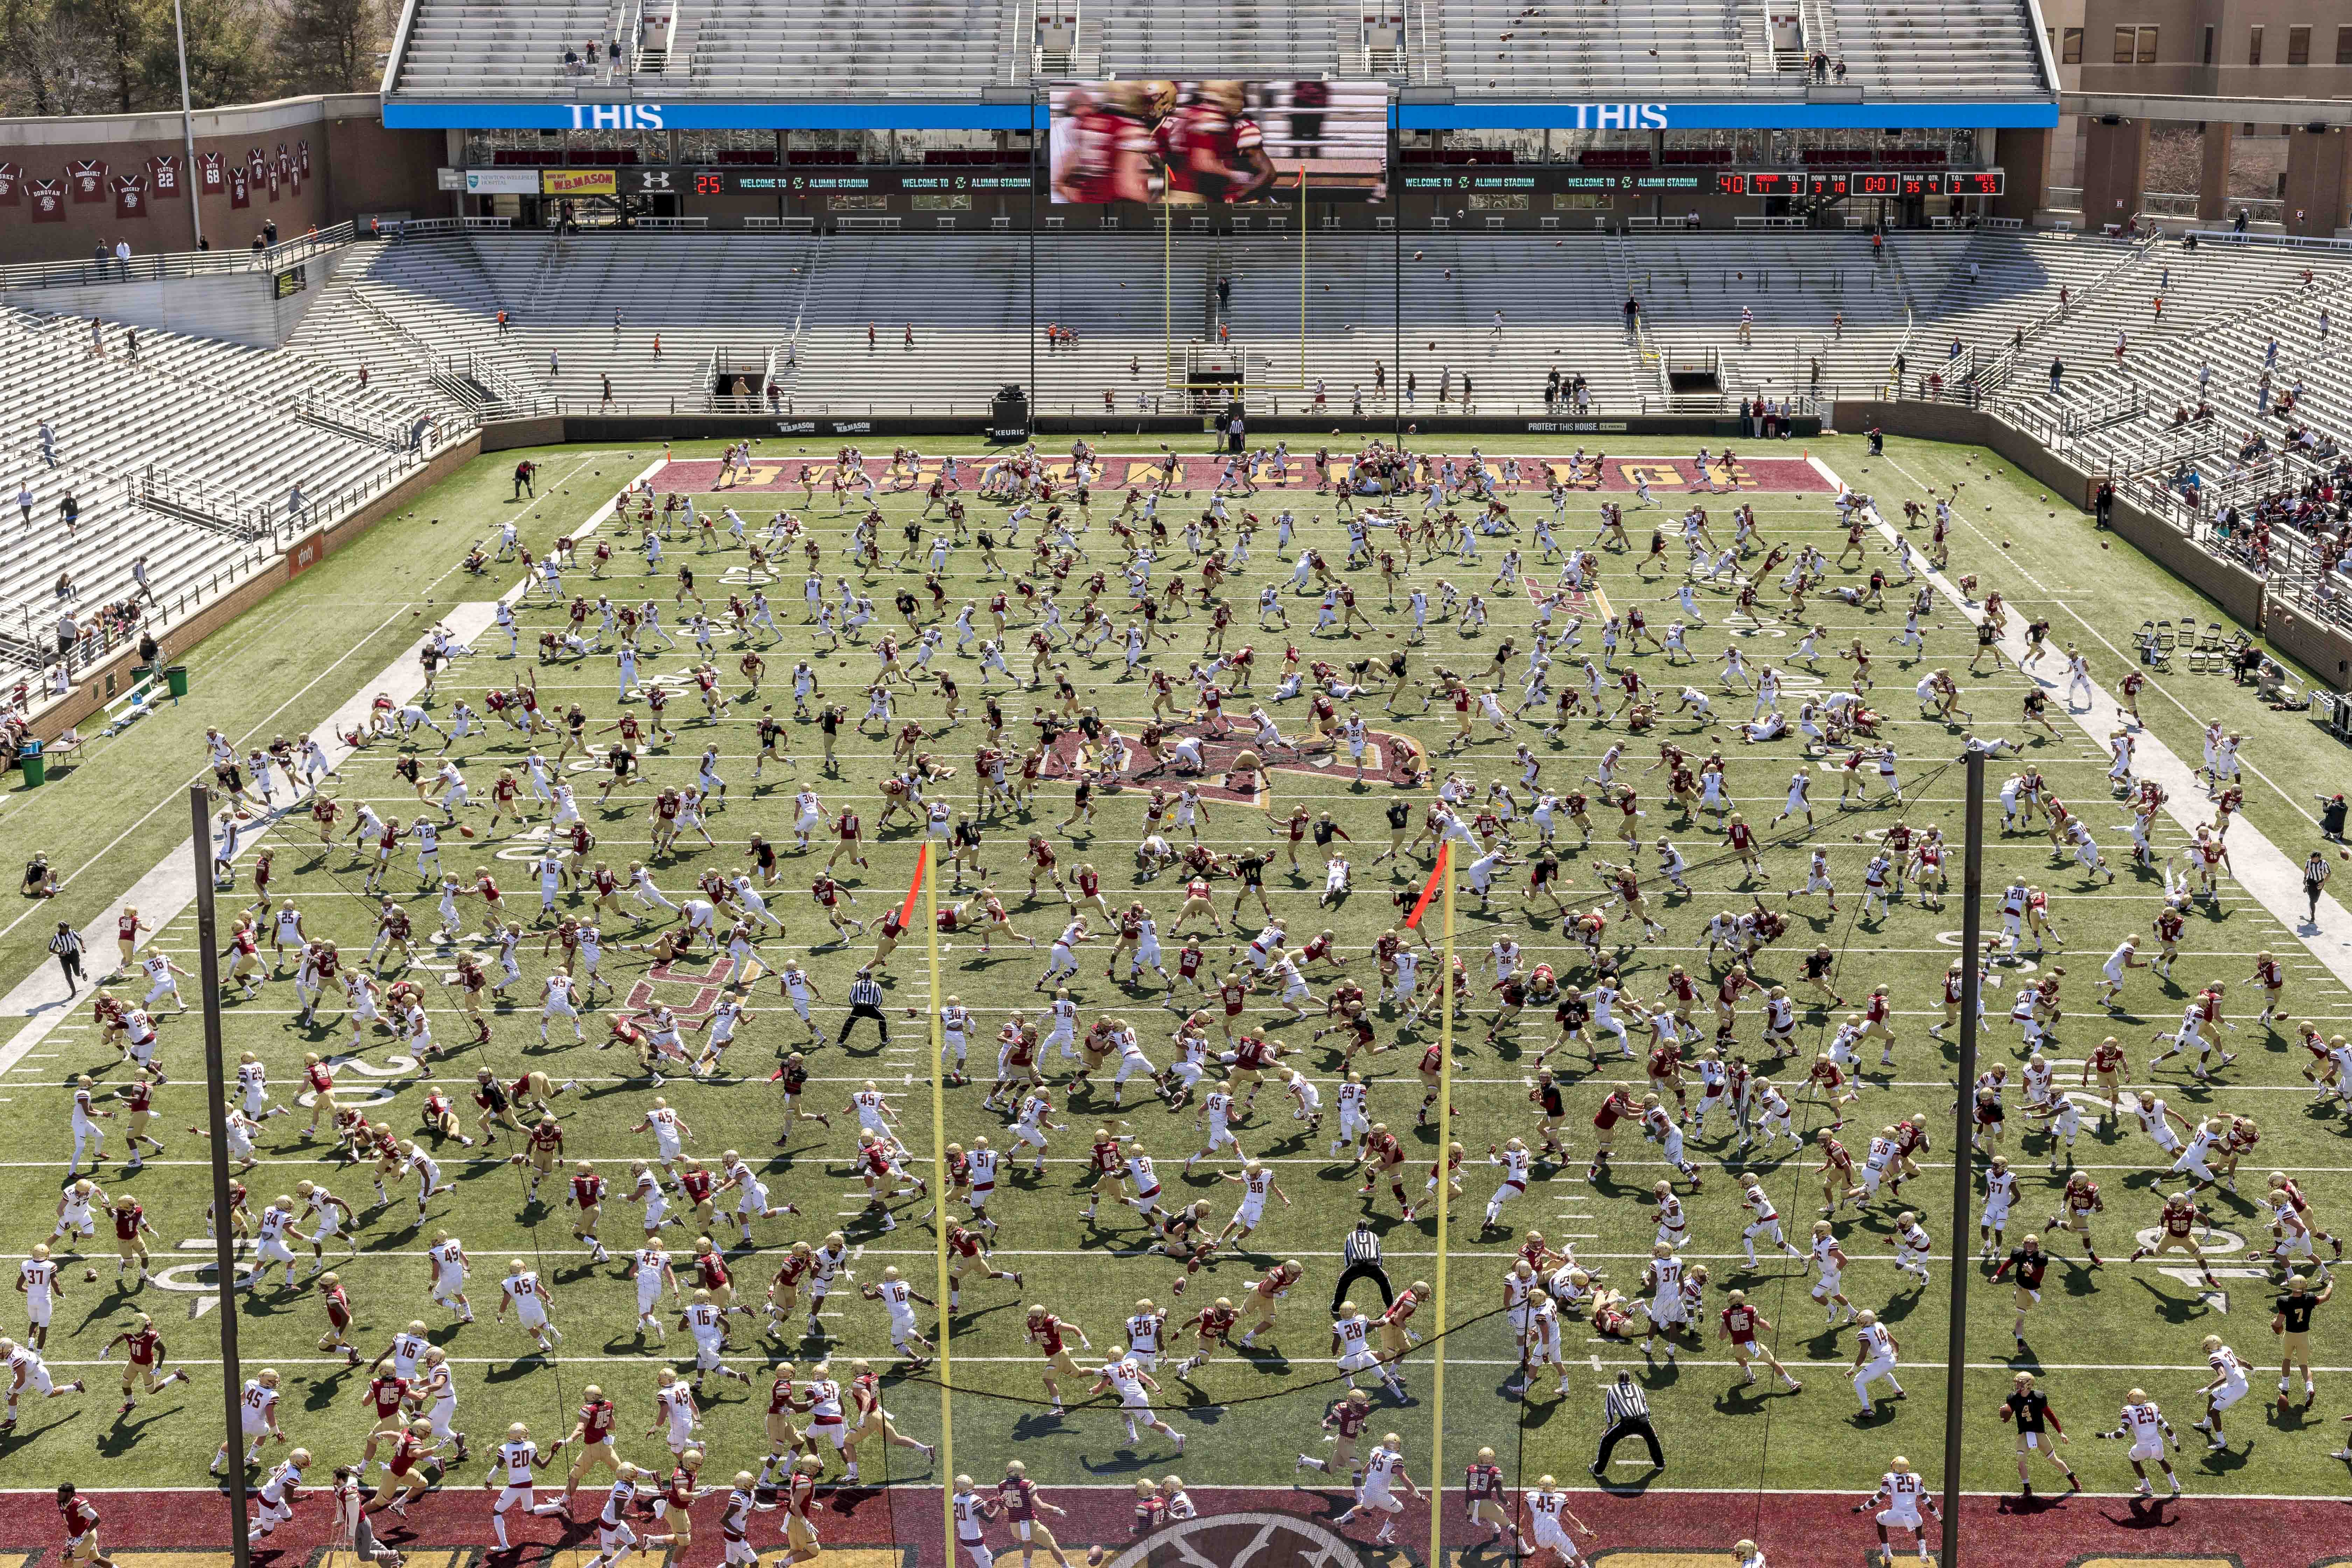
[(473, 46), (191, 455), (1980, 49)]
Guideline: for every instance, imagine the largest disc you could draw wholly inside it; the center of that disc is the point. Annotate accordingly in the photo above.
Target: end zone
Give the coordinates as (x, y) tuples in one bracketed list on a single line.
[(1200, 470), (1273, 1527)]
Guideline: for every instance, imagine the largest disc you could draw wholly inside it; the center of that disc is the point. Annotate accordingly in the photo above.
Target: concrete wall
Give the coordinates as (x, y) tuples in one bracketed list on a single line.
[(2323, 648), (2181, 67), (238, 308)]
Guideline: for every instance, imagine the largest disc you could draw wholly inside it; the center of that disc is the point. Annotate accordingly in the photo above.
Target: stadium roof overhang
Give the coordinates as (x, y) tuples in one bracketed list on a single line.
[(1417, 110)]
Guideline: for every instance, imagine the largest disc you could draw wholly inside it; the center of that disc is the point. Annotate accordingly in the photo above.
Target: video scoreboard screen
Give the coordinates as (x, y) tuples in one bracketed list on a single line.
[(1215, 142), (1833, 183)]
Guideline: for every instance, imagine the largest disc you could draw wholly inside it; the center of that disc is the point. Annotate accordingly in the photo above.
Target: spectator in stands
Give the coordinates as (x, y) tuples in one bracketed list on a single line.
[(25, 501), (2238, 224), (48, 443), (1551, 390), (554, 365), (68, 634), (1224, 290), (66, 590), (97, 337), (2057, 376), (570, 62), (123, 256), (1838, 70), (150, 652), (257, 244), (130, 344), (138, 576), (608, 390), (1466, 392), (269, 230), (1632, 314), (69, 512)]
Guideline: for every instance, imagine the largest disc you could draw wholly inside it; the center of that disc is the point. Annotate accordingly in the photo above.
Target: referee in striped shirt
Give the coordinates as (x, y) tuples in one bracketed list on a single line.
[(1627, 1410), (68, 945), (1361, 1252), (865, 1002)]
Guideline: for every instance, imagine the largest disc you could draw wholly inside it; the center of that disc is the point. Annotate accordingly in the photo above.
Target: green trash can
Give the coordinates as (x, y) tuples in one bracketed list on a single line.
[(35, 766), (175, 678)]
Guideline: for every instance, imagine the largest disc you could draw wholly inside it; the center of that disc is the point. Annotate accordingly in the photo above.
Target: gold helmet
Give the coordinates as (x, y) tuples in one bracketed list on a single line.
[(1225, 95), (1159, 98)]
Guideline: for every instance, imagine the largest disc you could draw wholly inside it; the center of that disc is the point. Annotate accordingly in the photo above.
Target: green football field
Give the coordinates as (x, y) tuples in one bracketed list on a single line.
[(1251, 1412)]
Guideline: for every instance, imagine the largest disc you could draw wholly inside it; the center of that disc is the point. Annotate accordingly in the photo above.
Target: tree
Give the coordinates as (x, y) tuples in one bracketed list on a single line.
[(117, 37), (228, 44), (41, 69), (329, 46)]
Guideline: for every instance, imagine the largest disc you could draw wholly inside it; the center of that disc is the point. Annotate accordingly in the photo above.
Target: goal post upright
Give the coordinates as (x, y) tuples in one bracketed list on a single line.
[(928, 875), (1445, 1206)]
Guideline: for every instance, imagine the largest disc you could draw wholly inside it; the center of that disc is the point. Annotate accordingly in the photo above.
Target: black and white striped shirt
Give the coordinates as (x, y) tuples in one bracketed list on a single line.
[(66, 944), (865, 994), (1363, 1246), (1626, 1401)]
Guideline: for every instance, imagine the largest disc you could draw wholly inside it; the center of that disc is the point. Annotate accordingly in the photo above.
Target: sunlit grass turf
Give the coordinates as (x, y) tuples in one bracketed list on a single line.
[(1723, 1436)]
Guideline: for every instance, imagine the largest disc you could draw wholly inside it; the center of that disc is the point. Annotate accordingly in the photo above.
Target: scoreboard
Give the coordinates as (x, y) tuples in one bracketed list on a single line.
[(772, 181), (1834, 183)]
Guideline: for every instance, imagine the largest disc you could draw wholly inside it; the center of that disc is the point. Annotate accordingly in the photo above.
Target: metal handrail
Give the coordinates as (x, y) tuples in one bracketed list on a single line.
[(175, 263)]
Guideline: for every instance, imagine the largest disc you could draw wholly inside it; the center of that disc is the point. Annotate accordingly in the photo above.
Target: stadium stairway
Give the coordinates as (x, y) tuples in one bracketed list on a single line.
[(2220, 316), (1662, 49), (890, 48), (1228, 38), (1955, 48), (1797, 285), (245, 427), (477, 47)]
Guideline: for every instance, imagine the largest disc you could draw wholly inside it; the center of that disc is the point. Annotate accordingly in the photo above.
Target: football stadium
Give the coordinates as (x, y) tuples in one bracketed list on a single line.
[(1687, 662)]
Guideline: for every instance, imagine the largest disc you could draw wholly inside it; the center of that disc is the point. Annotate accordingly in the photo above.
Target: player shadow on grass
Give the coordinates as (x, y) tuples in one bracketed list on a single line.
[(125, 1432), (2174, 1310)]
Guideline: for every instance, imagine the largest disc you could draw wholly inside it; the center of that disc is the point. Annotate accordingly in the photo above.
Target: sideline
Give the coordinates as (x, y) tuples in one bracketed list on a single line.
[(168, 888), (2267, 874)]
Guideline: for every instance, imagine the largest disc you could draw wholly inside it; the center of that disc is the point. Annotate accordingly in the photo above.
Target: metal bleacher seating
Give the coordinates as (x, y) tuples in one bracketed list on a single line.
[(472, 47), (186, 454)]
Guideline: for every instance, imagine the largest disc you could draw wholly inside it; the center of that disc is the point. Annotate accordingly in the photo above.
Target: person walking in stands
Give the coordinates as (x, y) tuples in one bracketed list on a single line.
[(523, 472), (865, 1002), (48, 443), (25, 501), (139, 576), (69, 512)]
